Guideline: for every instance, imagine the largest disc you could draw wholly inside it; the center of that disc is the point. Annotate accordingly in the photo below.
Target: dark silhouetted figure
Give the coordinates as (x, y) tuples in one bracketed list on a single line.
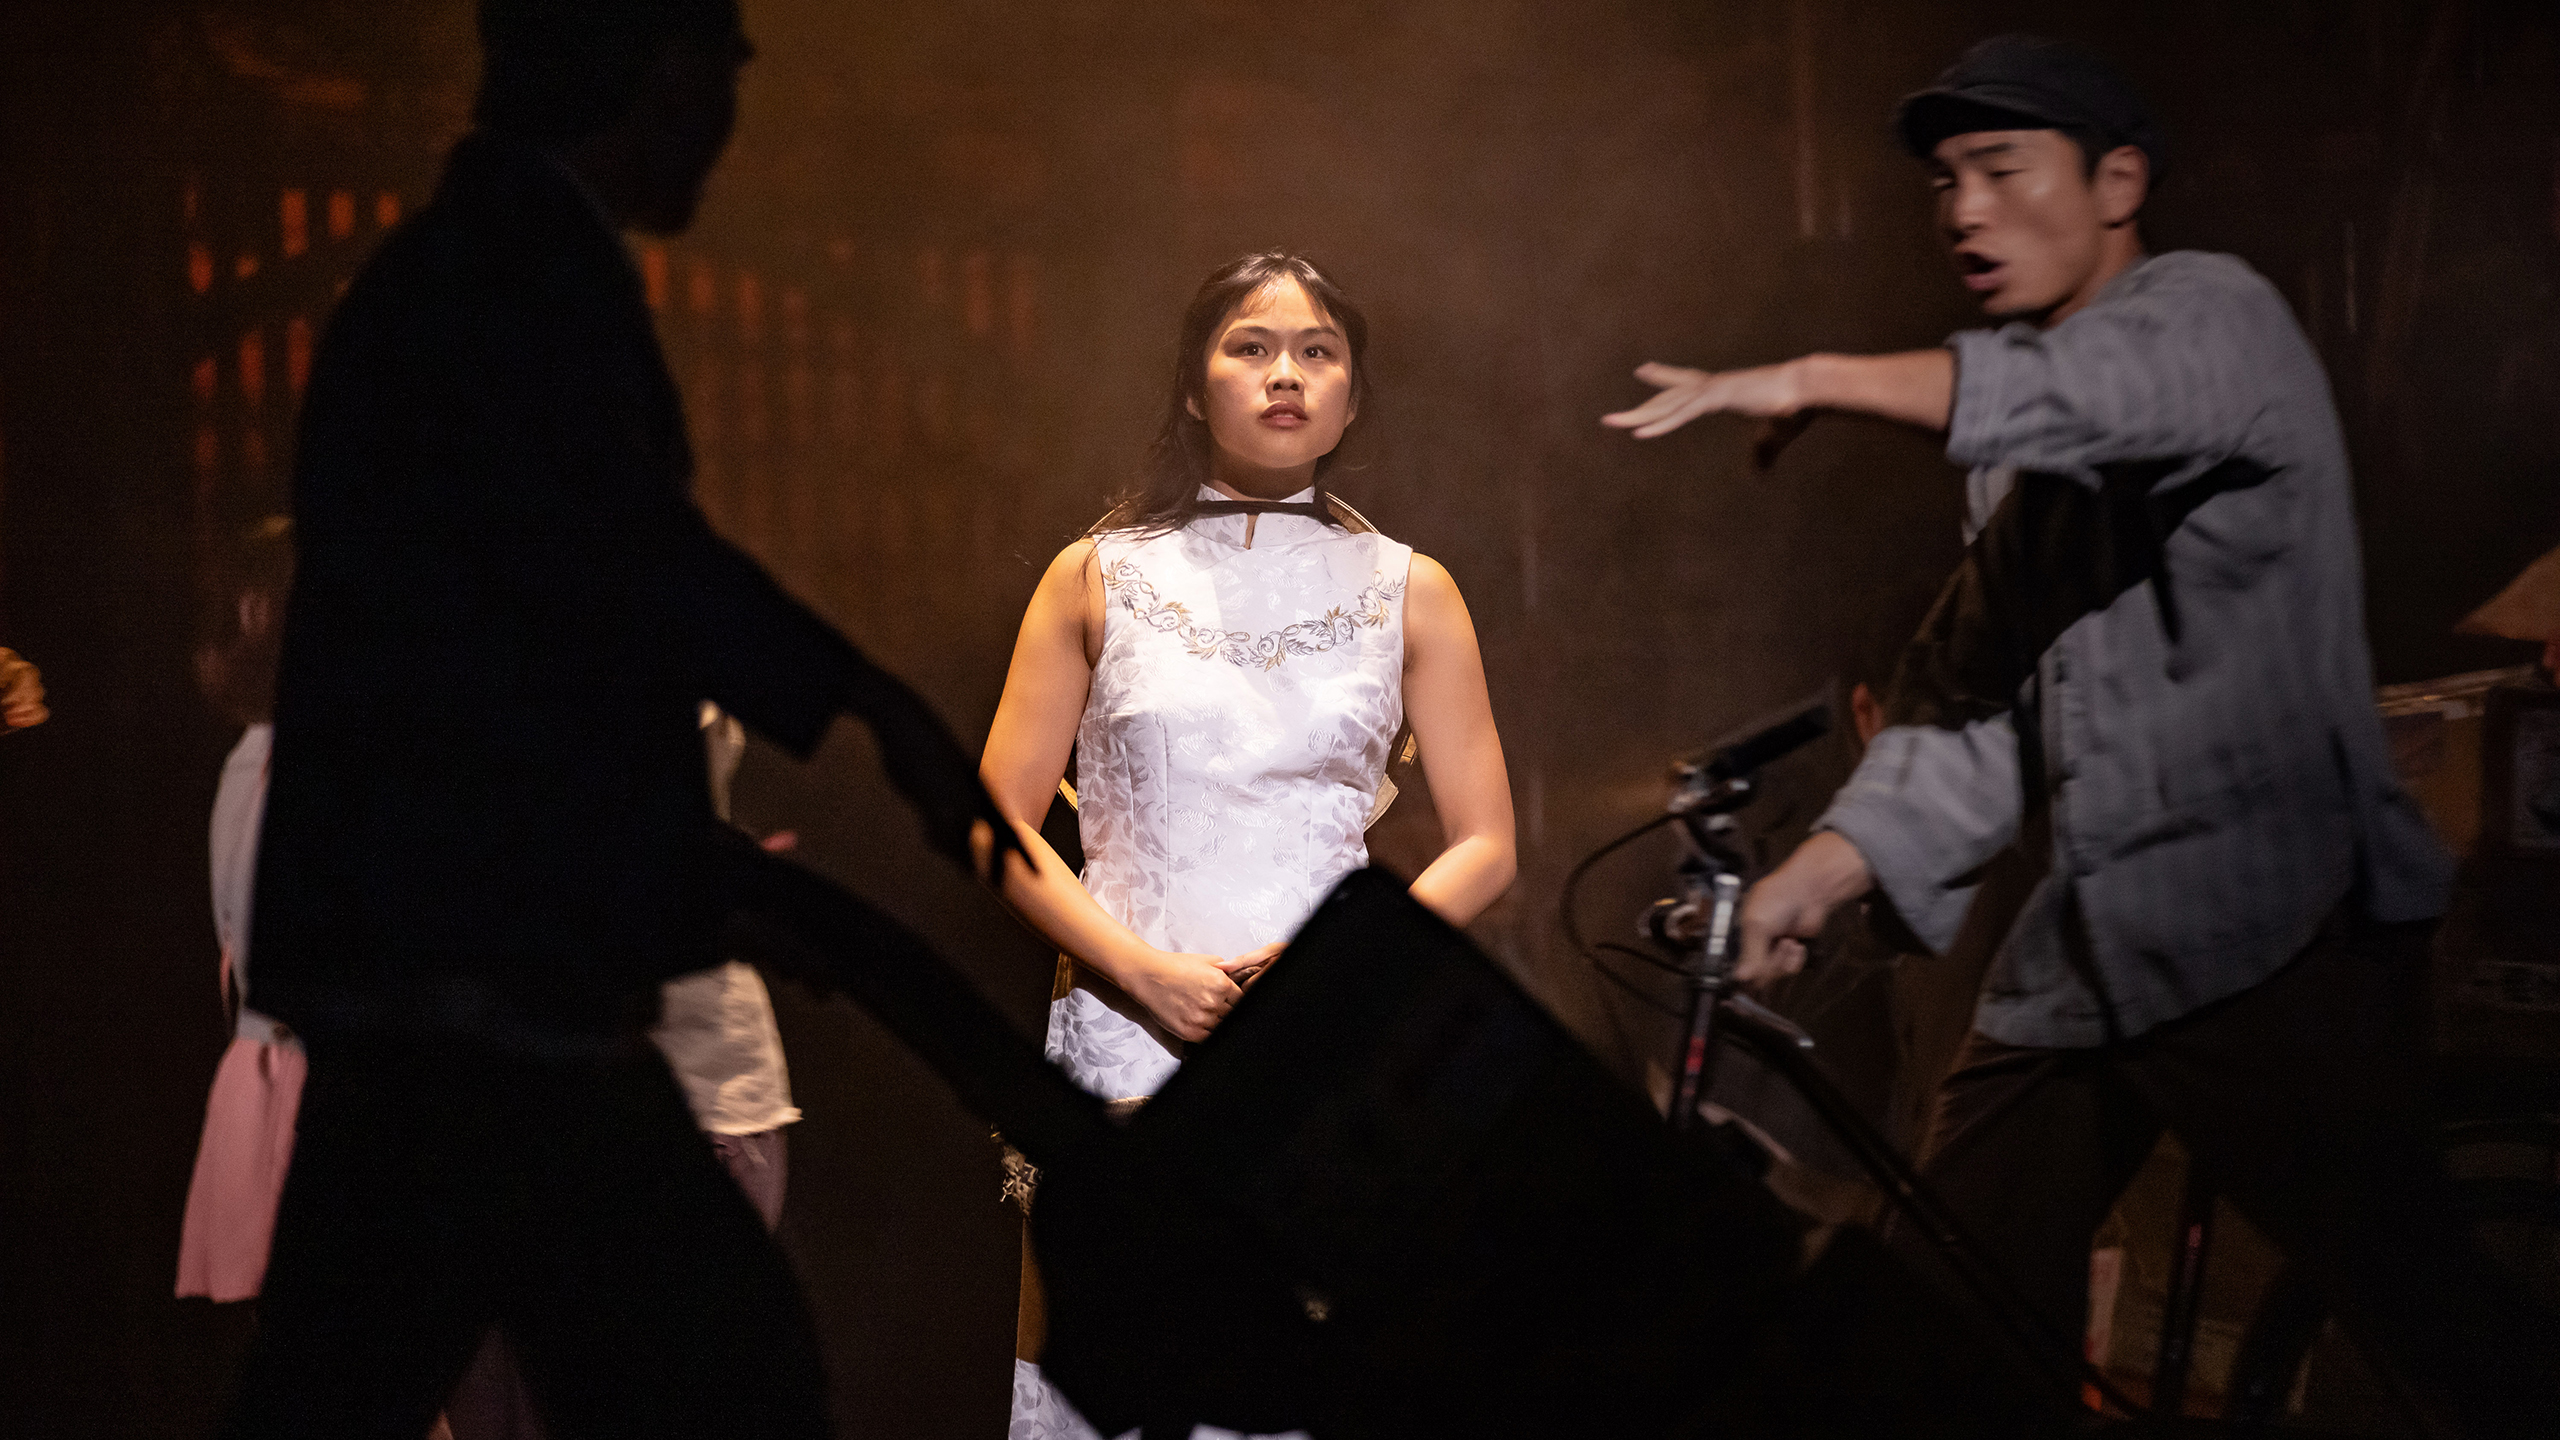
[(488, 838)]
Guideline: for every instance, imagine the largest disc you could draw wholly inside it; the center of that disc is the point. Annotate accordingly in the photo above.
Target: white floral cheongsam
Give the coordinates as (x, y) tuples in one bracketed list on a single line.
[(1240, 722)]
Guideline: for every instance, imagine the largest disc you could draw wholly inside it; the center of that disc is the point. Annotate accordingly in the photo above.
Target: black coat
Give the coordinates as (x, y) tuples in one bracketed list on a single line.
[(488, 804)]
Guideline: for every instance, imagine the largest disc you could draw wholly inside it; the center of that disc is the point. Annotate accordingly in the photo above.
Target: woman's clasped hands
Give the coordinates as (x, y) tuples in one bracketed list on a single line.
[(1189, 994)]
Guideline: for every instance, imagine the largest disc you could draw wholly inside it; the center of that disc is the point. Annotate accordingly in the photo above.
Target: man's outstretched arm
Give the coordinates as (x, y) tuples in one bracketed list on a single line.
[(1916, 387)]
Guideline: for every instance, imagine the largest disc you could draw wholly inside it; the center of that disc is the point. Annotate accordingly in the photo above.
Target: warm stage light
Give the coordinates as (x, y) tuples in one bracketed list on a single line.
[(294, 216)]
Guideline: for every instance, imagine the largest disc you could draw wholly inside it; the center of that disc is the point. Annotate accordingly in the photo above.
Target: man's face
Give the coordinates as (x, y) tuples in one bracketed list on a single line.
[(2022, 215), (683, 120)]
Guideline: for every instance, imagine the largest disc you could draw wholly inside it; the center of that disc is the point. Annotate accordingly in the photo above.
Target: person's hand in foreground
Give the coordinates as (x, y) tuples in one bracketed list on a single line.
[(1789, 905), (939, 781), (21, 692)]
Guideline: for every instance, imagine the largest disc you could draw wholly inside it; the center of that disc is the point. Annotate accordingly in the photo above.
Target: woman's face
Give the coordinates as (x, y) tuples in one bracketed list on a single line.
[(1279, 385)]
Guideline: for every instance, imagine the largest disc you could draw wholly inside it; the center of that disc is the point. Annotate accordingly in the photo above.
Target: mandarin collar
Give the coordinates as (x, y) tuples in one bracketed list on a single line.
[(1268, 530)]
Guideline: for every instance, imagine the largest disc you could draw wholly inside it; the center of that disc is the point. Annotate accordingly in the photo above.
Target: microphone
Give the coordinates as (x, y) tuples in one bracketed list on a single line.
[(1801, 725), (1722, 781)]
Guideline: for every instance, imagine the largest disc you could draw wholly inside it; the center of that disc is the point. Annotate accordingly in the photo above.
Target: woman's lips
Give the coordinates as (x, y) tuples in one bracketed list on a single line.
[(1981, 272), (1285, 416)]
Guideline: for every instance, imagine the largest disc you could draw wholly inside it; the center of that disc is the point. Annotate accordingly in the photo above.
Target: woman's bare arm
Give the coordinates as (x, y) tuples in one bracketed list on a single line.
[(1027, 748), (1452, 717)]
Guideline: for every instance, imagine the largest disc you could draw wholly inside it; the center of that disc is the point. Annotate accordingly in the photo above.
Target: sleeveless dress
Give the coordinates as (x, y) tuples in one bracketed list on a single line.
[(1228, 763)]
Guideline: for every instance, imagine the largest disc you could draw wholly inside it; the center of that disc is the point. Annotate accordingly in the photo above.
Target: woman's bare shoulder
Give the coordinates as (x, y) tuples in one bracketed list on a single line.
[(1428, 580), (1435, 614), (1072, 564)]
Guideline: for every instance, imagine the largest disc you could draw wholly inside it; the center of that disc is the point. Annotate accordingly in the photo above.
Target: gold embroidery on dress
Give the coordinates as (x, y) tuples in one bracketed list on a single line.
[(1306, 637)]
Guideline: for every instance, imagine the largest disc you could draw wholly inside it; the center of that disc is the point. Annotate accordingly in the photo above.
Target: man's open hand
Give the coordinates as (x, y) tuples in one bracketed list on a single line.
[(1765, 392), (1789, 906)]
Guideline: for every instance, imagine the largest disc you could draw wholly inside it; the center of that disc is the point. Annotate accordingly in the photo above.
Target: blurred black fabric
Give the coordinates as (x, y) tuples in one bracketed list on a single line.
[(488, 791), (489, 836), (2329, 1156), (440, 1188), (1390, 1196)]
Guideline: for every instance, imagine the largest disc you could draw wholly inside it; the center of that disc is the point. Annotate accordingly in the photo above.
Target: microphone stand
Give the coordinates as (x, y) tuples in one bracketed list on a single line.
[(1701, 921), (1709, 790), (1701, 925)]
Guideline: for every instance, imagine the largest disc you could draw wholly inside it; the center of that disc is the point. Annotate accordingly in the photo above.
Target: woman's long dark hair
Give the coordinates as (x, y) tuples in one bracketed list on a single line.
[(1167, 493)]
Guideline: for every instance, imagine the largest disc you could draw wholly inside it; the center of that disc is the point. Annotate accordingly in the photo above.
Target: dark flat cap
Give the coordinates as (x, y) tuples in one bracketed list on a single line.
[(561, 69), (566, 22), (2026, 82)]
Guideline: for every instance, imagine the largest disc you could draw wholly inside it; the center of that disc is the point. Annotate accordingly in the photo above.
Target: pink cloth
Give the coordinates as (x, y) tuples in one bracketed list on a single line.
[(240, 1166)]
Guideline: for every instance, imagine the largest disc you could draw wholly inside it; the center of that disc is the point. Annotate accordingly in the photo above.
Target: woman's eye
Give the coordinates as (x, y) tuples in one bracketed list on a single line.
[(1318, 352), (1249, 348)]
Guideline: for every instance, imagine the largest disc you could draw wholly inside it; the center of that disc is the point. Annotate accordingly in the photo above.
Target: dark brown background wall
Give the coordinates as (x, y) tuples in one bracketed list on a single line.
[(923, 328)]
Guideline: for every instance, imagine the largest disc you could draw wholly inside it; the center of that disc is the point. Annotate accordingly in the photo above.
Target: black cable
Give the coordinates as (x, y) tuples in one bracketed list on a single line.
[(1825, 982), (1634, 990), (1667, 967), (1573, 880), (1565, 912)]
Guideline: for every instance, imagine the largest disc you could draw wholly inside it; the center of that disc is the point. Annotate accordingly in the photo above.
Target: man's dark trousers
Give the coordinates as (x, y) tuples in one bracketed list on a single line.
[(2302, 1099), (438, 1189)]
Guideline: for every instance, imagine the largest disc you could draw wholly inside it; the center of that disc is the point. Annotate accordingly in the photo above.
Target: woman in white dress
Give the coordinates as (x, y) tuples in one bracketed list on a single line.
[(1230, 663)]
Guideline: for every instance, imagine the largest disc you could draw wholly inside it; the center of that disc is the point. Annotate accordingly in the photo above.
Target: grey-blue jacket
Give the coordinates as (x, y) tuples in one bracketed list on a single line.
[(2163, 578)]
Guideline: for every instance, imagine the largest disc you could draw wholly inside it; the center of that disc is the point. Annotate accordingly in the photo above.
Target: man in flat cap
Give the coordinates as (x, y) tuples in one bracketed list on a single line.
[(489, 834), (2150, 674)]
